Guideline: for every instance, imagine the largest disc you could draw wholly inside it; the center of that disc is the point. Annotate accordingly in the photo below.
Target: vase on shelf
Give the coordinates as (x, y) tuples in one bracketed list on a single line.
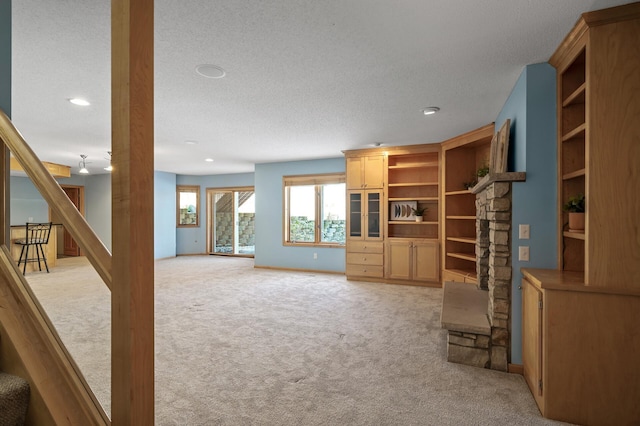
[(576, 222)]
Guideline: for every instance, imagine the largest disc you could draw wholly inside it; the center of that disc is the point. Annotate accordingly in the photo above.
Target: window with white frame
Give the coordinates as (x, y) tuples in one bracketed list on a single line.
[(315, 210)]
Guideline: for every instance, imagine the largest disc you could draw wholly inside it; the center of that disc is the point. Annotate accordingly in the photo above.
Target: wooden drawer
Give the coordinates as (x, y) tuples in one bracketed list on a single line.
[(364, 271), (364, 259), (365, 247)]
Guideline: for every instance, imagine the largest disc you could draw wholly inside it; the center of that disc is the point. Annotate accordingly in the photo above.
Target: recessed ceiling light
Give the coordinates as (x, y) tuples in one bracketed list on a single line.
[(78, 101), (430, 110), (209, 160), (210, 71), (191, 142)]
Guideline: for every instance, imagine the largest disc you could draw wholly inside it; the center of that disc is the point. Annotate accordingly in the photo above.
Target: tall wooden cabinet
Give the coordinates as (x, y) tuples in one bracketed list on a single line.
[(462, 156), (364, 233), (580, 322), (378, 245)]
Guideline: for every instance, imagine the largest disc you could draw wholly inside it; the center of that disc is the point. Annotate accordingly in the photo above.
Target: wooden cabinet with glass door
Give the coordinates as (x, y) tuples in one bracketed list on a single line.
[(364, 233)]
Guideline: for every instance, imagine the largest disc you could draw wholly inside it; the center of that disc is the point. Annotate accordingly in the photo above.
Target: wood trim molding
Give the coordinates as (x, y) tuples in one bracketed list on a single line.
[(516, 369)]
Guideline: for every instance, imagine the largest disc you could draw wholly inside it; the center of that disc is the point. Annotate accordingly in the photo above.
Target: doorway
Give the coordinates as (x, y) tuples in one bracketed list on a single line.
[(231, 221), (67, 246)]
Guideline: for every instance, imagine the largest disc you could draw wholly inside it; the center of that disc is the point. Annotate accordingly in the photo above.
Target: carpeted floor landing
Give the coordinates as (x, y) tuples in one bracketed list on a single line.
[(242, 346)]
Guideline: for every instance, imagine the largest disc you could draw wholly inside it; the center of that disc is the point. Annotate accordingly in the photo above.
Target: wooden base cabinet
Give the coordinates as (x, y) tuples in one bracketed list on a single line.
[(580, 349), (415, 260), (365, 259)]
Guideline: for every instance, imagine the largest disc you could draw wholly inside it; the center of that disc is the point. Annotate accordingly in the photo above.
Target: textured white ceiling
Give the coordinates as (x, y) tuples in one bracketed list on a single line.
[(305, 79)]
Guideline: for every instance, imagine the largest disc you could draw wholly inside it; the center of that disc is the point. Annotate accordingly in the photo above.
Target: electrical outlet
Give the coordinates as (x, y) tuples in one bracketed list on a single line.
[(523, 253), (315, 256), (523, 232), (30, 219)]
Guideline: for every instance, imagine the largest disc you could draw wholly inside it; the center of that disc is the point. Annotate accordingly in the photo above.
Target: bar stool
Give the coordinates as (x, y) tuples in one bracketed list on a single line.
[(36, 235)]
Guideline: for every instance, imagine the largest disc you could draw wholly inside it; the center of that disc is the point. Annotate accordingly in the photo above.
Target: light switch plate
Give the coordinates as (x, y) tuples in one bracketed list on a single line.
[(523, 253), (523, 232)]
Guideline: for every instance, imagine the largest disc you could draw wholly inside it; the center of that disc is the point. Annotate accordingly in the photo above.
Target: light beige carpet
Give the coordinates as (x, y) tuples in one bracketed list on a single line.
[(242, 346)]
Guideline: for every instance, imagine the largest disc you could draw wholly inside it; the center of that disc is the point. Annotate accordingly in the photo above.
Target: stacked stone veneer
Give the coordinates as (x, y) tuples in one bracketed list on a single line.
[(493, 253), (224, 230)]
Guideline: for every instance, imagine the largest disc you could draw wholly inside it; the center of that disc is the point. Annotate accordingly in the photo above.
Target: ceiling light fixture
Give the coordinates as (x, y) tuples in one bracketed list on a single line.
[(209, 160), (80, 102), (83, 165), (210, 71), (376, 144), (191, 142), (430, 110), (110, 167)]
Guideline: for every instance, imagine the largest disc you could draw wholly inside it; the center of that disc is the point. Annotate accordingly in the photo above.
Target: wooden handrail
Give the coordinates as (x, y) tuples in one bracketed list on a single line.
[(53, 375), (50, 190)]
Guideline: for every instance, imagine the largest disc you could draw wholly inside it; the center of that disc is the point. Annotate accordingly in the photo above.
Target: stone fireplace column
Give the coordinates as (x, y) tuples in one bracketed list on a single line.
[(493, 254)]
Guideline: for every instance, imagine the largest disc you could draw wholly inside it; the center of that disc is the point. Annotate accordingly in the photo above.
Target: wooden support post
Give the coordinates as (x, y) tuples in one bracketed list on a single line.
[(132, 365)]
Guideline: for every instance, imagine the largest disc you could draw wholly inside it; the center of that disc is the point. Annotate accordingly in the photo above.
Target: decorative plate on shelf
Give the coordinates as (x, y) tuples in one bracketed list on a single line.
[(402, 210)]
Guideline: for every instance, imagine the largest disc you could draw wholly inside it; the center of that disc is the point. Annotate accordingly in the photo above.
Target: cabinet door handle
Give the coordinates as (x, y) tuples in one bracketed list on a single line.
[(364, 258)]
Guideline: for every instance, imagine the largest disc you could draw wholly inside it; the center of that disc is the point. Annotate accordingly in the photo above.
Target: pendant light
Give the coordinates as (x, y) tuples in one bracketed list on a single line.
[(83, 165), (110, 168)]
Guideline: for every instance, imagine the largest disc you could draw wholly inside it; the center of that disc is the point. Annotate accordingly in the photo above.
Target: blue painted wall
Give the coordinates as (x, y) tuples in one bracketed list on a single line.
[(97, 204), (270, 251), (164, 220), (531, 108), (193, 240), (5, 56), (27, 202)]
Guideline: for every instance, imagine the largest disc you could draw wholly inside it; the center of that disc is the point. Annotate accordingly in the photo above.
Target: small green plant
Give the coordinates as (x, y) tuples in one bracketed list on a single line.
[(575, 204), (483, 171), (470, 184), (480, 173), (419, 211)]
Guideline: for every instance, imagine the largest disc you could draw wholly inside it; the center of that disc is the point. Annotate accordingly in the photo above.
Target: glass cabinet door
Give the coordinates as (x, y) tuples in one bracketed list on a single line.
[(355, 214), (373, 215)]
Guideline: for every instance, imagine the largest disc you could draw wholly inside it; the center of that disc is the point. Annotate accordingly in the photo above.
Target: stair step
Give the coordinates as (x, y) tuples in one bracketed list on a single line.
[(14, 400)]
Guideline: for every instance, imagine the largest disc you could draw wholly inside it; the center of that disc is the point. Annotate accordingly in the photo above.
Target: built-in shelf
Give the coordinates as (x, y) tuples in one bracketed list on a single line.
[(414, 165), (413, 199), (577, 97), (406, 184), (574, 175), (462, 240), (578, 235), (575, 132), (462, 217), (466, 272), (461, 192), (463, 256), (410, 222)]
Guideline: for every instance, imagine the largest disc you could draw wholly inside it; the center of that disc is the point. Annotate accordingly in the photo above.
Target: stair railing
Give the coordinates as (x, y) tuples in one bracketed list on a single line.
[(53, 194), (50, 368)]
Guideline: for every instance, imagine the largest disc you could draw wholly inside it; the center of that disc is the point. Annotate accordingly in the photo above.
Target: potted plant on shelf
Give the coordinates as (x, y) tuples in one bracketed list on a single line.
[(419, 212), (480, 173), (575, 207)]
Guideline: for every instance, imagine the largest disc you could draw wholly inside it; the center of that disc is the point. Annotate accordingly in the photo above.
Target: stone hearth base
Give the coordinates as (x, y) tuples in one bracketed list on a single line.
[(464, 314)]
